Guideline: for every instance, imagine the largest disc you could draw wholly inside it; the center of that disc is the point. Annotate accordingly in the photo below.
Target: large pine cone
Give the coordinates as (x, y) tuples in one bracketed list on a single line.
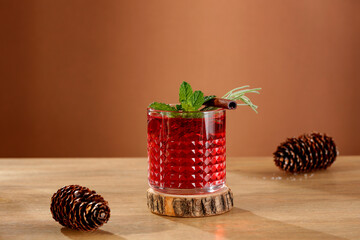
[(306, 153), (79, 208)]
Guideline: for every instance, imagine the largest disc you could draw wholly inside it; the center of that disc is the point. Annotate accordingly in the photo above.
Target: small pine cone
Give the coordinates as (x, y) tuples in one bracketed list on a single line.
[(306, 153), (79, 208)]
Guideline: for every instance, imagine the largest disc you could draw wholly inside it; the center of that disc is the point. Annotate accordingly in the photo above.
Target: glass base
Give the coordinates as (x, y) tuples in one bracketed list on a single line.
[(192, 191)]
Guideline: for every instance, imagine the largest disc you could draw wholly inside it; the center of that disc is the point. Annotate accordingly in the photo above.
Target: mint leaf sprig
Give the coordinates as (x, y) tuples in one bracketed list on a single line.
[(189, 101), (162, 106)]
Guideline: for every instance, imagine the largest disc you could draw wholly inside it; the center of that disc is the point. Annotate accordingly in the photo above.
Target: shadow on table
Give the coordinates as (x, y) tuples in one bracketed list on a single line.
[(243, 224), (137, 224), (334, 180), (97, 234)]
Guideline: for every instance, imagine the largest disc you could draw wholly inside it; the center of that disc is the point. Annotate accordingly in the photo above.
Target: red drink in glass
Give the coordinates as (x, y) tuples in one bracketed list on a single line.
[(186, 151)]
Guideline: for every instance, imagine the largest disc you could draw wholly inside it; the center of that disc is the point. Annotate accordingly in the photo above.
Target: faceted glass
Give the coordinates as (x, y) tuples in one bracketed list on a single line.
[(186, 151)]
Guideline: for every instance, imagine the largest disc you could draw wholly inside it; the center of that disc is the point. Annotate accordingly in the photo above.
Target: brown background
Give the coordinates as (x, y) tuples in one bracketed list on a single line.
[(76, 76)]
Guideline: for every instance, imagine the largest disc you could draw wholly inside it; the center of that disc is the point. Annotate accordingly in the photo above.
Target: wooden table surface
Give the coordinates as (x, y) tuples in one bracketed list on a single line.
[(269, 204)]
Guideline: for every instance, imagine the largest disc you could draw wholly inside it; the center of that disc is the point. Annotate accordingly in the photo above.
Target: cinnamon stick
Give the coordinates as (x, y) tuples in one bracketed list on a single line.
[(221, 103)]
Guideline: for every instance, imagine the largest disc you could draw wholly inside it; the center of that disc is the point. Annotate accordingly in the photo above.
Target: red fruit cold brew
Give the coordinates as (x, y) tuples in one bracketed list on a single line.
[(186, 151)]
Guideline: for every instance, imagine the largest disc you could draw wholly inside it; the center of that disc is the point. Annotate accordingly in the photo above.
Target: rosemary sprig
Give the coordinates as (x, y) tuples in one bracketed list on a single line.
[(237, 94)]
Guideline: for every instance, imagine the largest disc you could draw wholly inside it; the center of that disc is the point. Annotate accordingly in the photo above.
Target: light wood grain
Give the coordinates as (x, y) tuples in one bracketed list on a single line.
[(268, 204), (201, 205)]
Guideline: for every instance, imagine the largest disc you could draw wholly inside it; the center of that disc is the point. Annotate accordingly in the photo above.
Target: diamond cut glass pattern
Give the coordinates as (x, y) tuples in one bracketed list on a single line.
[(186, 152)]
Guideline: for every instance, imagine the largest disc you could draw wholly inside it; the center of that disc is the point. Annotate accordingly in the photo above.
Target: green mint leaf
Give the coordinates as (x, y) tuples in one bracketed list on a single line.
[(186, 106), (196, 100), (185, 92), (161, 106), (178, 107), (207, 98)]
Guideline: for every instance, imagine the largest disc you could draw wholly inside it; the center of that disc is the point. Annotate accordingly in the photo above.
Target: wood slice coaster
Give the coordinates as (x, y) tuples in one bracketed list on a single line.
[(190, 205)]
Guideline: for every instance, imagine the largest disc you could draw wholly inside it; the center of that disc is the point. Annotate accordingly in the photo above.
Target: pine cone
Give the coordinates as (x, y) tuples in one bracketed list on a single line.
[(306, 153), (79, 208)]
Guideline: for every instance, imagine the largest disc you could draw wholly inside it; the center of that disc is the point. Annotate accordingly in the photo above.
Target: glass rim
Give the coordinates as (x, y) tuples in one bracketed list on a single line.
[(179, 111)]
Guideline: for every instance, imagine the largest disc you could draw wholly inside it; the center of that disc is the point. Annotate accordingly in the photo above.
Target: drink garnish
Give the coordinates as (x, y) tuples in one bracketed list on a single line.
[(192, 101)]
